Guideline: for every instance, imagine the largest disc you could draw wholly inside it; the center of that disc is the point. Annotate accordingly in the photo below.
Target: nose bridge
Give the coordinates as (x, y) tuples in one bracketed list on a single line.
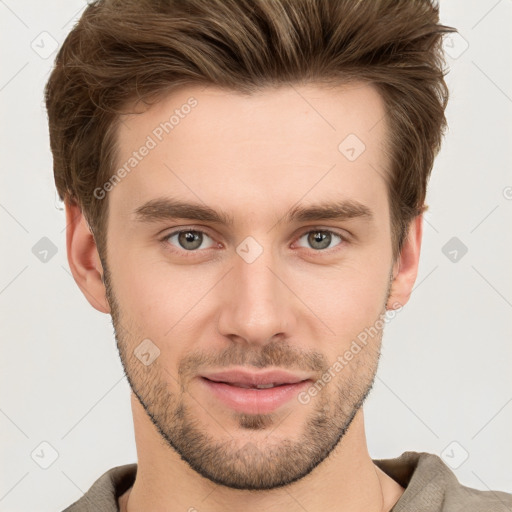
[(257, 308), (255, 278)]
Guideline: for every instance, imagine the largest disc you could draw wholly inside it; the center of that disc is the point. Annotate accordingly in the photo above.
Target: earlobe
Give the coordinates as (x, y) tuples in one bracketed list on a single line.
[(83, 258), (405, 269)]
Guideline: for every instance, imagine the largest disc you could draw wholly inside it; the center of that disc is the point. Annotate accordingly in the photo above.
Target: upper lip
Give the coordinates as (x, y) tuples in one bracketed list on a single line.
[(256, 378)]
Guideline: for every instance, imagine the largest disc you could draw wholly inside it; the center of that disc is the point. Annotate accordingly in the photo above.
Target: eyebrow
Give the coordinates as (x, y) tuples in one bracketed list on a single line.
[(166, 209)]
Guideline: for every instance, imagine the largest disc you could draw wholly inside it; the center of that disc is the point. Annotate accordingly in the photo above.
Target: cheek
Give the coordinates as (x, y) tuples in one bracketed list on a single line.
[(139, 287), (347, 298), (160, 300)]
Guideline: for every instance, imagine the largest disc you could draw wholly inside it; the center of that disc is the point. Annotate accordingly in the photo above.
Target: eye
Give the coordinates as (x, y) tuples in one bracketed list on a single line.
[(187, 239), (192, 240), (321, 239)]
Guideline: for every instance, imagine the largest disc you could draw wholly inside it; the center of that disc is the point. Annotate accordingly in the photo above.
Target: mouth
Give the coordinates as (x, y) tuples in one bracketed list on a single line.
[(240, 377), (254, 393), (252, 386)]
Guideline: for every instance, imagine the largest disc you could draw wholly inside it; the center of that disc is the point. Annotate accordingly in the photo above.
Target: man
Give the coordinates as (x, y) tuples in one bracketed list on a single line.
[(244, 184)]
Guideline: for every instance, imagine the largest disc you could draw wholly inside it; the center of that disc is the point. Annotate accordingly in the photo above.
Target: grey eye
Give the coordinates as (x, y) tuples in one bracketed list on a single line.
[(188, 239), (320, 239)]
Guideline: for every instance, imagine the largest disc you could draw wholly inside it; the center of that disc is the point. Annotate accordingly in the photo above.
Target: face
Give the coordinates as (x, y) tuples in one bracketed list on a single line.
[(281, 260)]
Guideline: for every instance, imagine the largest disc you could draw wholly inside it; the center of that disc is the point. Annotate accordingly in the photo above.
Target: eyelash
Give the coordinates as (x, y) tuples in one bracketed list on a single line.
[(195, 252)]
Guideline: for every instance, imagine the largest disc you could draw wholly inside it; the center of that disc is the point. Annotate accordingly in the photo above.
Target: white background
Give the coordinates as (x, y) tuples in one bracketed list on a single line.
[(445, 373)]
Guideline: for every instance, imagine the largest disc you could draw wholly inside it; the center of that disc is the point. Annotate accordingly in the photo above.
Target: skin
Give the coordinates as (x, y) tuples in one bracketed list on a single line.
[(294, 307)]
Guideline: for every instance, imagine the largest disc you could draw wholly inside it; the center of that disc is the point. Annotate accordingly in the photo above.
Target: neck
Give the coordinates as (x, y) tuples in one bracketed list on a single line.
[(347, 480)]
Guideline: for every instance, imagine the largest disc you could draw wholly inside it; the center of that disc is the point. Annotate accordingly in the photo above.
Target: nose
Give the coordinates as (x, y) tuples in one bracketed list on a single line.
[(257, 304)]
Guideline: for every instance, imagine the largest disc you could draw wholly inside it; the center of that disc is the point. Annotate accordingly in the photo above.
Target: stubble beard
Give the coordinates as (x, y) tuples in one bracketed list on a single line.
[(262, 459)]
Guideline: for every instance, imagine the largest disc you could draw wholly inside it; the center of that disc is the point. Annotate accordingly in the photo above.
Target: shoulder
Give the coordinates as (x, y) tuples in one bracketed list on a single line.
[(431, 486), (105, 491)]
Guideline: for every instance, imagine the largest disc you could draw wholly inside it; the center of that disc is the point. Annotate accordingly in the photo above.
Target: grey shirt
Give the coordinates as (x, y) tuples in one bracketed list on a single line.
[(430, 486)]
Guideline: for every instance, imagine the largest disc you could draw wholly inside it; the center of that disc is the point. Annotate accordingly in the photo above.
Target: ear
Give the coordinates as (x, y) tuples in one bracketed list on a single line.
[(405, 269), (83, 258)]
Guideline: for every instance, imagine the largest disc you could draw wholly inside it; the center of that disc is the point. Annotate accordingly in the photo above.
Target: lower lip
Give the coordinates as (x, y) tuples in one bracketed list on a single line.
[(254, 401)]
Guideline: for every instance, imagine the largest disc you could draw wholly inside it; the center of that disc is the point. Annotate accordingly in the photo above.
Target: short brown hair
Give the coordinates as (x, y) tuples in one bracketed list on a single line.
[(124, 50)]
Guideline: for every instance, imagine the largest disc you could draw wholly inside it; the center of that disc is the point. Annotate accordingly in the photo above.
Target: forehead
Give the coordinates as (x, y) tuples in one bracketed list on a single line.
[(269, 148)]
